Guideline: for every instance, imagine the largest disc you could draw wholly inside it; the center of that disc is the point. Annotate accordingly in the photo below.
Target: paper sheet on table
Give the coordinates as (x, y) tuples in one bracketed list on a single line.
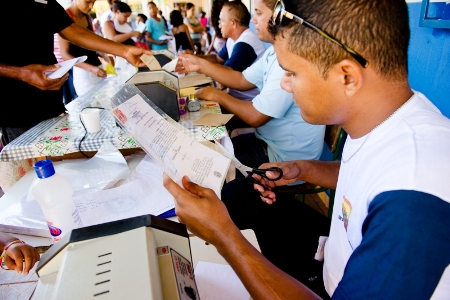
[(126, 201), (211, 119), (175, 151), (151, 62), (170, 66), (66, 66), (218, 282), (193, 80), (107, 167)]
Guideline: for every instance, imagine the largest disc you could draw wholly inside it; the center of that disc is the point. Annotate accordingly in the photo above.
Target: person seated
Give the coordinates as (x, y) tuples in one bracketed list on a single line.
[(86, 74), (390, 228), (183, 41), (17, 255), (243, 47), (156, 27), (280, 132), (117, 29)]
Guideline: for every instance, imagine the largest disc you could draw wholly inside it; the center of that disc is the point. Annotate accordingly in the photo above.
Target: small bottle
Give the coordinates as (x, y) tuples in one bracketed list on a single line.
[(54, 192), (121, 70)]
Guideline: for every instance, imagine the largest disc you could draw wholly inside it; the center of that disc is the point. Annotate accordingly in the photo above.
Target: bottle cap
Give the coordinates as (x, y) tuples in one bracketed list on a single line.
[(44, 168)]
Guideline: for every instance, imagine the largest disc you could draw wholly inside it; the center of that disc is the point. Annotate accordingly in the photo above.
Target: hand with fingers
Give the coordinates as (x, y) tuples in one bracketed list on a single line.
[(133, 55), (208, 93), (19, 256), (291, 173), (200, 210), (187, 63), (36, 76)]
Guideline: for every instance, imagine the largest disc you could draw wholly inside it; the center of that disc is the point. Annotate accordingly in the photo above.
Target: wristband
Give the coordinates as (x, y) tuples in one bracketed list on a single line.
[(4, 252)]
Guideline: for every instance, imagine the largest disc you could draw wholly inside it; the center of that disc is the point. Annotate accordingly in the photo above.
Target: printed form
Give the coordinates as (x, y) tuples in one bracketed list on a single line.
[(176, 152)]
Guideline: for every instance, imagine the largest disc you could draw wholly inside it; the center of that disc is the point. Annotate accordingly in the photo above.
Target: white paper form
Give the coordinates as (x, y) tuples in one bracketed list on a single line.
[(178, 153), (218, 282), (126, 201), (65, 66)]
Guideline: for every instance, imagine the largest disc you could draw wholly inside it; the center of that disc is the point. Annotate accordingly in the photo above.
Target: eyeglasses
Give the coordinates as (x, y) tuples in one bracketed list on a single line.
[(223, 22), (280, 11)]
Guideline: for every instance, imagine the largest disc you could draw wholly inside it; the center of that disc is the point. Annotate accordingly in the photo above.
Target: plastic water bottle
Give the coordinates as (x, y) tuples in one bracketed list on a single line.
[(53, 192), (121, 70)]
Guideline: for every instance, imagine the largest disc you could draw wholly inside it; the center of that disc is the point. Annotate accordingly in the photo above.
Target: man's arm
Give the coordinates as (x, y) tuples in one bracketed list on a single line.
[(64, 47), (207, 217), (87, 39), (222, 74), (244, 110), (34, 75), (323, 173)]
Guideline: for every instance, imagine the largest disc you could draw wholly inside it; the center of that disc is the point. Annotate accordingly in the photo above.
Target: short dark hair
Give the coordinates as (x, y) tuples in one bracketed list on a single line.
[(376, 29), (113, 1), (122, 7), (144, 17), (189, 5), (203, 14), (176, 19), (239, 12)]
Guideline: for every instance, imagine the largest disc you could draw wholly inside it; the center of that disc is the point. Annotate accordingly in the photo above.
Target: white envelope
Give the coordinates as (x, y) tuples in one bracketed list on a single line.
[(65, 67)]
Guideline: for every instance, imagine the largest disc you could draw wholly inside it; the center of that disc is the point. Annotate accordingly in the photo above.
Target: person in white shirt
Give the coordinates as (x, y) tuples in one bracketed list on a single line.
[(390, 229)]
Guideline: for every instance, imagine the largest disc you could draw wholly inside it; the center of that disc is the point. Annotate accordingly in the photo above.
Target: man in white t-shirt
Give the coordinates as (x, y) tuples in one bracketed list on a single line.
[(390, 229)]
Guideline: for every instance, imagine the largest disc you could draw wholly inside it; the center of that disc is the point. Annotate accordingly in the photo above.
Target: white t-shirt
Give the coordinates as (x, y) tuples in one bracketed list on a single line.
[(410, 151)]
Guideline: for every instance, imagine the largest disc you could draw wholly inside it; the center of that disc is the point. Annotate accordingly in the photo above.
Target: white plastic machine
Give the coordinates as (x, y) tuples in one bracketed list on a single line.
[(116, 260)]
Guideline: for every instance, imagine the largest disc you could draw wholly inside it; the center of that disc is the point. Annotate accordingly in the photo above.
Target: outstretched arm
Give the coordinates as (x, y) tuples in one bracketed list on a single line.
[(224, 75), (244, 110), (87, 39), (207, 217)]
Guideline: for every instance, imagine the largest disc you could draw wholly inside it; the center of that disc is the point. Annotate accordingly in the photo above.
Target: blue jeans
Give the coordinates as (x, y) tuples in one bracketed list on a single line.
[(9, 133), (69, 93), (250, 150)]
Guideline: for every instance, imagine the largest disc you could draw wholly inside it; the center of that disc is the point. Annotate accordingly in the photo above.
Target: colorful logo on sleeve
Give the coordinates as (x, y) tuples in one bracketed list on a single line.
[(346, 211), (54, 231)]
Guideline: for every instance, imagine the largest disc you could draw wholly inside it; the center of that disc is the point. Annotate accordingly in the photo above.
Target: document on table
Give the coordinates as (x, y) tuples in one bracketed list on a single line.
[(173, 150), (126, 201), (217, 282)]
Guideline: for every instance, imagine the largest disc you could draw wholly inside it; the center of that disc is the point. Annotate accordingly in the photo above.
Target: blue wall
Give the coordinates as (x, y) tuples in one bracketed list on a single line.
[(429, 61)]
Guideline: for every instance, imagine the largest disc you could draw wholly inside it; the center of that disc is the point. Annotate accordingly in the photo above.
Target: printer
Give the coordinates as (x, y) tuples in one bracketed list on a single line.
[(144, 257)]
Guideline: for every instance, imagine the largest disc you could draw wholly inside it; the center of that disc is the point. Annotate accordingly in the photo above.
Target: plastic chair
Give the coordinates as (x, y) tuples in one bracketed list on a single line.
[(334, 135)]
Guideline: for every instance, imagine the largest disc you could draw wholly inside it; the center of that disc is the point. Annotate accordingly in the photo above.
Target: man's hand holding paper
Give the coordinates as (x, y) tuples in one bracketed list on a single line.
[(200, 210), (36, 75)]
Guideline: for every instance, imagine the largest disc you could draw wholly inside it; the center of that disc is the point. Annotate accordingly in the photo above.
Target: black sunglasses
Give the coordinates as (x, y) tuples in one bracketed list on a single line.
[(277, 17)]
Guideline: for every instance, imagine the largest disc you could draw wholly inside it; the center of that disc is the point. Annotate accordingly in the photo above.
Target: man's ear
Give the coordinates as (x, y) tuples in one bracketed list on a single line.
[(351, 76)]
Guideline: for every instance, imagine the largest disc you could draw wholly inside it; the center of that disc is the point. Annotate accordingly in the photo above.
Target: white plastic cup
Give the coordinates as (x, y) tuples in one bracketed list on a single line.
[(91, 119)]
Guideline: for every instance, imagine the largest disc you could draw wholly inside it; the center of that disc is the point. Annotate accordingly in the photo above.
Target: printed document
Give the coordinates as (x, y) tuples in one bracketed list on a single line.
[(175, 151)]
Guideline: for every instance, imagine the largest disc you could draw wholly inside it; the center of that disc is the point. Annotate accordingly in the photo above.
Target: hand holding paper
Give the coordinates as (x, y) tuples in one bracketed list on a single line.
[(66, 66), (151, 62)]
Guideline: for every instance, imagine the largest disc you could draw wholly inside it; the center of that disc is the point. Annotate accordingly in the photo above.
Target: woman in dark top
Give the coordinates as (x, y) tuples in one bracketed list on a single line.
[(117, 29), (88, 73), (180, 31)]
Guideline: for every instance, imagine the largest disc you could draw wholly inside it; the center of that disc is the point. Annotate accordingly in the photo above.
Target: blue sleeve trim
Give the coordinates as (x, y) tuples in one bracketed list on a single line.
[(243, 57), (404, 250), (223, 54)]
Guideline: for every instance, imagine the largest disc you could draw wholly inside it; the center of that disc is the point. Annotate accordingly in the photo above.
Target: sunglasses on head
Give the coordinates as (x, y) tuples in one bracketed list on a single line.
[(280, 12)]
